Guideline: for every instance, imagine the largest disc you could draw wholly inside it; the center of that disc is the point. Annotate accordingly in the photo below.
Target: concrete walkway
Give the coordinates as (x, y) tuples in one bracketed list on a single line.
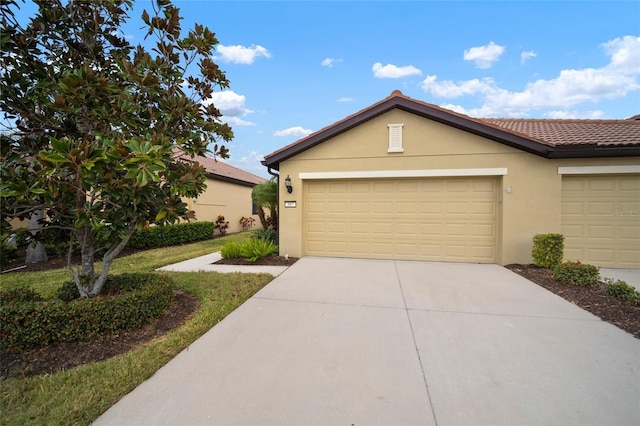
[(359, 342), (206, 263)]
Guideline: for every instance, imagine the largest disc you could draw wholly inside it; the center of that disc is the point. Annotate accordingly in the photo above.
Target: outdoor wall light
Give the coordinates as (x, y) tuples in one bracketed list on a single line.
[(287, 184)]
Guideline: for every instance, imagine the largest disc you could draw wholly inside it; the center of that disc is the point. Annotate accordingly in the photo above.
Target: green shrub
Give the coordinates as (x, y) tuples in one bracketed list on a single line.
[(8, 252), (31, 324), (576, 273), (171, 235), (265, 234), (619, 288), (231, 250), (67, 292), (19, 295), (548, 250), (253, 250)]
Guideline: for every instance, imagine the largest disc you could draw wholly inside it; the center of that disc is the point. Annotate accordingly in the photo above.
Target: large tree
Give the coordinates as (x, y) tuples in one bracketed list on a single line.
[(97, 123)]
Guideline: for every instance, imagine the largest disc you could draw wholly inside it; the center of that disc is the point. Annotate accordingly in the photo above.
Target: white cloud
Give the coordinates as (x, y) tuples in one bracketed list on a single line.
[(566, 115), (449, 89), (345, 99), (329, 62), (484, 56), (250, 163), (525, 56), (297, 131), (239, 54), (229, 103), (570, 88), (232, 106), (625, 54), (394, 71), (237, 121)]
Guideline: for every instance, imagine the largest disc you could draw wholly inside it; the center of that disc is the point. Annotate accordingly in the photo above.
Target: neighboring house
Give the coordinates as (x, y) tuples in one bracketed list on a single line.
[(228, 194), (403, 179)]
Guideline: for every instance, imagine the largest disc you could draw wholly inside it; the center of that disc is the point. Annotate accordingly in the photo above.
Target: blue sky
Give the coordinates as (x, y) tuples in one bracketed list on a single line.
[(296, 67)]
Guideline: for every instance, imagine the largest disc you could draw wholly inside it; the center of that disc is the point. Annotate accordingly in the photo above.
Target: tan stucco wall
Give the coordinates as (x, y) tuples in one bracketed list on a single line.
[(224, 198), (533, 205)]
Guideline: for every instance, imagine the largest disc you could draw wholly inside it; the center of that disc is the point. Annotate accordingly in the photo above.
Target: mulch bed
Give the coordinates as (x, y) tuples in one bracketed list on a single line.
[(264, 261), (594, 299), (64, 356)]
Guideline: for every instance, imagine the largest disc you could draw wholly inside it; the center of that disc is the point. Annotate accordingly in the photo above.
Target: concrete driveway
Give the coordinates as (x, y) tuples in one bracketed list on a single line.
[(360, 342)]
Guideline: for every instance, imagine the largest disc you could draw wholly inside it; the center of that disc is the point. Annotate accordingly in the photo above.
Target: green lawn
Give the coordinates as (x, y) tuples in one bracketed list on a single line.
[(80, 395)]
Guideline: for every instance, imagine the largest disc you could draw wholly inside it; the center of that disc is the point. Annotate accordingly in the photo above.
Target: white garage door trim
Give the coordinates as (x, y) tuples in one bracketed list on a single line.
[(598, 170), (372, 174)]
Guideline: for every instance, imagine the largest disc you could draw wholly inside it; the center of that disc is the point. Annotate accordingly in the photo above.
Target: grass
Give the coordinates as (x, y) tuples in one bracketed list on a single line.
[(47, 282), (80, 395)]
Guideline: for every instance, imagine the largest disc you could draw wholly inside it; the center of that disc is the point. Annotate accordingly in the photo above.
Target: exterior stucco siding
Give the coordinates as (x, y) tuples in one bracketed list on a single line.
[(227, 199), (529, 195)]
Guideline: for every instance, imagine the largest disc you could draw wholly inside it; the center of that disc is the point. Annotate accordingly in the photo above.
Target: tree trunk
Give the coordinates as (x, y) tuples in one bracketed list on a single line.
[(84, 277), (89, 284), (35, 250), (263, 219)]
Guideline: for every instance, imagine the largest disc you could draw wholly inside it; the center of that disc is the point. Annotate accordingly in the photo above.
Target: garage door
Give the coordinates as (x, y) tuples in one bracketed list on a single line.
[(442, 219), (600, 219)]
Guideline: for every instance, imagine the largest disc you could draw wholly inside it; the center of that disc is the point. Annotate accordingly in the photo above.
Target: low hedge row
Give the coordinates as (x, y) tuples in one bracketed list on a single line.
[(171, 235), (576, 273), (131, 301)]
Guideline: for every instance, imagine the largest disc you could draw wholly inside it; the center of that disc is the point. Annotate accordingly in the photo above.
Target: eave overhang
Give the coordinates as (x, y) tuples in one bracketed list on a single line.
[(449, 118)]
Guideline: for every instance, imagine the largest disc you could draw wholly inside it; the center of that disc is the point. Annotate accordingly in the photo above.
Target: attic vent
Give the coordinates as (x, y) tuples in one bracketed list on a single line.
[(395, 138)]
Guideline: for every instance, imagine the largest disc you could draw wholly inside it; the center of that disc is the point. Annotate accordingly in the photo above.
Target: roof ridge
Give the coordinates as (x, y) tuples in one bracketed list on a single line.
[(565, 120)]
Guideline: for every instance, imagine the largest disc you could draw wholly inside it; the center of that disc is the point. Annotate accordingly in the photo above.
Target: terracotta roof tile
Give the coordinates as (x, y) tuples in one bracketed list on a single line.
[(223, 170), (570, 138), (574, 132)]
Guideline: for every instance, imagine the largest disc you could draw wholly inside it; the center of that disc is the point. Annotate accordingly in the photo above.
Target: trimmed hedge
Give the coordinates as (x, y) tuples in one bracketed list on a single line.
[(576, 273), (131, 301), (619, 288), (171, 235), (548, 250)]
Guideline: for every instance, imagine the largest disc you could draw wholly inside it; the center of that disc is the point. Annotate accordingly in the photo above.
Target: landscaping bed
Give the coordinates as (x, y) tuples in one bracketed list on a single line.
[(264, 261), (67, 355), (617, 311)]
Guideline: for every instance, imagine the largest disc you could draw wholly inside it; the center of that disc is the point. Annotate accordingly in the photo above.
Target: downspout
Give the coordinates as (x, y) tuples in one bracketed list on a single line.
[(277, 176)]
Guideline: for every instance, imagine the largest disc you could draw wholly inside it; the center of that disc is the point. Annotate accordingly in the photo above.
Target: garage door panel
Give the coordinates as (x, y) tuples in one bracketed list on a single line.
[(597, 219), (483, 230), (631, 185), (406, 229), (383, 187), (480, 208), (483, 253), (575, 208), (430, 219), (630, 256), (630, 232), (600, 208), (484, 186), (603, 184), (431, 207)]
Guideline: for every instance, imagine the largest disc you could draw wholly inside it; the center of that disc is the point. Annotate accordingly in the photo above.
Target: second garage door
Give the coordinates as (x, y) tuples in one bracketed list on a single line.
[(440, 219), (601, 221)]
